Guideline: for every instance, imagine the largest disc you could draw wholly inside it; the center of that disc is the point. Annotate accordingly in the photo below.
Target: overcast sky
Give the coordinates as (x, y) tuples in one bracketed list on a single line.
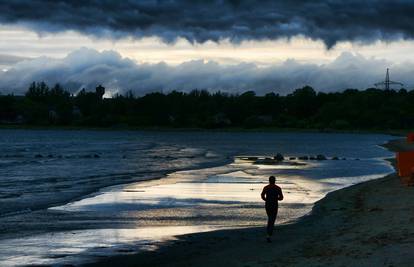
[(232, 46)]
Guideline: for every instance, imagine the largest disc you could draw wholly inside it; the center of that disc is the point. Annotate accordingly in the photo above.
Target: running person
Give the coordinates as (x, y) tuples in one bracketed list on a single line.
[(271, 194)]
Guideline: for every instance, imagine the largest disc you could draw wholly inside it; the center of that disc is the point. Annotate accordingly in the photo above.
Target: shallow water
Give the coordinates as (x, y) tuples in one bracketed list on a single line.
[(56, 209), (72, 247)]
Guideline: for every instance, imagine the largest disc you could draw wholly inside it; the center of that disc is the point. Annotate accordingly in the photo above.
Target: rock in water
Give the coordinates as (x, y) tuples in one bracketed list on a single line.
[(279, 157), (320, 157)]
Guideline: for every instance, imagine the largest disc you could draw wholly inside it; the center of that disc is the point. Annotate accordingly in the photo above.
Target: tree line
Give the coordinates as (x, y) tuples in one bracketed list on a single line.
[(304, 108)]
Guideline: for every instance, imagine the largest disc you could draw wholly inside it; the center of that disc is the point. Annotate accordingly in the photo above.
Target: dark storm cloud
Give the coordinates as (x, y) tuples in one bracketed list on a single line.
[(199, 21), (88, 68)]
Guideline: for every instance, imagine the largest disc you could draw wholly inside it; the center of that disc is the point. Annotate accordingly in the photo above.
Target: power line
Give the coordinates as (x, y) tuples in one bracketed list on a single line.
[(386, 84)]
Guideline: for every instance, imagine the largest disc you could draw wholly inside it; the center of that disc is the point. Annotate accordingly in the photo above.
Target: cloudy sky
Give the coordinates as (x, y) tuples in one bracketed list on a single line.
[(232, 46)]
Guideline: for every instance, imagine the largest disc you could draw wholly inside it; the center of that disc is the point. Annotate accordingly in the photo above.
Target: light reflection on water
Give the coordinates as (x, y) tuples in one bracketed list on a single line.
[(215, 192), (183, 202), (214, 189), (74, 247), (236, 187)]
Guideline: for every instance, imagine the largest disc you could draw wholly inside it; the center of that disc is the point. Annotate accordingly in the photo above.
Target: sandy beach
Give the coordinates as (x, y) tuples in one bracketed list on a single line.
[(368, 224)]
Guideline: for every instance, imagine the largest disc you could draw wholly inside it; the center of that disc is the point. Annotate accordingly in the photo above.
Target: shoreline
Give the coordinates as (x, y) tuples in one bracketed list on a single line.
[(130, 225), (91, 193), (345, 228), (394, 132), (96, 190)]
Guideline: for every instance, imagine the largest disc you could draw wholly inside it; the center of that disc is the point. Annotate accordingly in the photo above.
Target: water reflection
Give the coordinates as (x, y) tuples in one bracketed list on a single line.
[(122, 219), (75, 247)]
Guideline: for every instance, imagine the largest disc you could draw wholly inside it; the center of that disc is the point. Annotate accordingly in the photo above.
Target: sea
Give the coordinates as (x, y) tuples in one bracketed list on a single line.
[(69, 197)]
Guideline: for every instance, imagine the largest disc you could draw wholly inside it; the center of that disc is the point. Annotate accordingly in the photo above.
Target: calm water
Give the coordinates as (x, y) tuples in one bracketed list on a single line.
[(56, 208)]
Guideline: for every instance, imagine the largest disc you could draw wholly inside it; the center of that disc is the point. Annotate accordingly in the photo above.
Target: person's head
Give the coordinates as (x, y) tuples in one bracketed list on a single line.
[(272, 180)]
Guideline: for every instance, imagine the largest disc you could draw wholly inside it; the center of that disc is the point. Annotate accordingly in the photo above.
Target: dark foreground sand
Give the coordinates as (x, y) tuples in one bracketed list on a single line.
[(369, 224)]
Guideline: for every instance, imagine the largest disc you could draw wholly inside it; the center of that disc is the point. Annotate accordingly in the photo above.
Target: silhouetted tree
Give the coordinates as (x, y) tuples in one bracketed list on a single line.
[(303, 108)]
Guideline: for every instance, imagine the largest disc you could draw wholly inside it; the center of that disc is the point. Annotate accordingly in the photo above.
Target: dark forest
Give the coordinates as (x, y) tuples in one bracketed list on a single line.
[(304, 108)]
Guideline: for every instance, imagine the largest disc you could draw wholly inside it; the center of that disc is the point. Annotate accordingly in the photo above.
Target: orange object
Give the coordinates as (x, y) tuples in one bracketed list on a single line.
[(405, 163), (408, 180), (410, 137)]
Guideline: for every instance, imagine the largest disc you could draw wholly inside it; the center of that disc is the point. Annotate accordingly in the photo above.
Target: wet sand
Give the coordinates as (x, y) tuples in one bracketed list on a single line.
[(368, 224), (146, 215)]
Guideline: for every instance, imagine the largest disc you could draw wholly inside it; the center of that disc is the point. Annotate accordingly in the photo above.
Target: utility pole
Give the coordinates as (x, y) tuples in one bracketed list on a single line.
[(387, 80), (386, 84)]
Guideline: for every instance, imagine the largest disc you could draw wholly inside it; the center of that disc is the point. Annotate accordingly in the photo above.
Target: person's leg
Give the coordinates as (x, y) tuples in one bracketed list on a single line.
[(271, 218), (274, 218)]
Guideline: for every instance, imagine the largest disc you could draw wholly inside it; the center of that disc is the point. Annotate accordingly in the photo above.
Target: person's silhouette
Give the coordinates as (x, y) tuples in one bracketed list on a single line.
[(271, 194)]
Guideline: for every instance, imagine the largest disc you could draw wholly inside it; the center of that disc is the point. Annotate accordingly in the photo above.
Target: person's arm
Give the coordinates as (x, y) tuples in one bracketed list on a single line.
[(263, 195), (280, 196)]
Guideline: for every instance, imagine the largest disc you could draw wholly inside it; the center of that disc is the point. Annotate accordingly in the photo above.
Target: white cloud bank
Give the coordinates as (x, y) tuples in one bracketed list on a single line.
[(88, 68)]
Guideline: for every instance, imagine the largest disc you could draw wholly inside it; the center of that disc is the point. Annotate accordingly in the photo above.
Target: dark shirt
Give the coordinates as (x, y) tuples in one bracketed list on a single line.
[(272, 194)]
